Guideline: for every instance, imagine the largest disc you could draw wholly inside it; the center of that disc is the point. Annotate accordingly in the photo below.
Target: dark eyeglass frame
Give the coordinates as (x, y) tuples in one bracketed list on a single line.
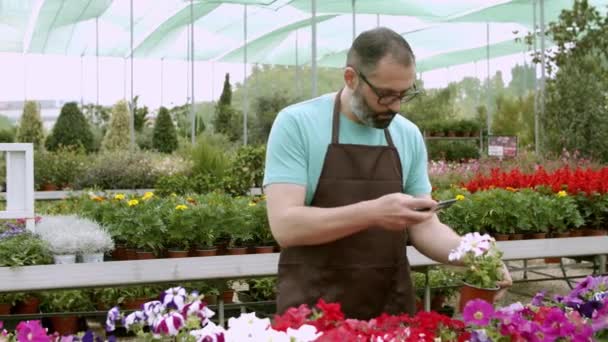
[(386, 100)]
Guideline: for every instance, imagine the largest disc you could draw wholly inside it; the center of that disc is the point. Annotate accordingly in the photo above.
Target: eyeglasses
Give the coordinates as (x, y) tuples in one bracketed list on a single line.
[(388, 99)]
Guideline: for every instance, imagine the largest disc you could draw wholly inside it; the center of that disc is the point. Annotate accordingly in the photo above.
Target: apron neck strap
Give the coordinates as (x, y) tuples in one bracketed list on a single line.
[(335, 132)]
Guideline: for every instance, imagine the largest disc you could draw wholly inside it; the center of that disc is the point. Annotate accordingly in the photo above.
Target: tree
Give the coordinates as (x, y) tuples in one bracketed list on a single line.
[(576, 111), (266, 109), (117, 136), (164, 138), (224, 113), (70, 130), (139, 115), (30, 128)]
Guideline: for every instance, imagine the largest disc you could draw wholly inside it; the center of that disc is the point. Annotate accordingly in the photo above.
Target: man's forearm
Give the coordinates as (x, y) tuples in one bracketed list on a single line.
[(434, 239), (304, 225)]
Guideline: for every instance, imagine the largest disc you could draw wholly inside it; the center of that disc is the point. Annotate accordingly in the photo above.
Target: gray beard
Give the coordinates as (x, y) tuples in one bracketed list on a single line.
[(365, 114)]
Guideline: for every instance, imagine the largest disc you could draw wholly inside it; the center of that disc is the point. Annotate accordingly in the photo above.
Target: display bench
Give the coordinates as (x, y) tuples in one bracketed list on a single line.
[(133, 272)]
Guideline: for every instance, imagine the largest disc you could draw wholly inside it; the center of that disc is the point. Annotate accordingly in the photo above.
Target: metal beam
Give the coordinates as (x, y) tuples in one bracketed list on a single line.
[(313, 57)]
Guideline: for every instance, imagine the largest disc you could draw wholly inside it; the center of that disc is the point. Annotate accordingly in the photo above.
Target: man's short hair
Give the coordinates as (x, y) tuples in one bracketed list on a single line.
[(373, 45)]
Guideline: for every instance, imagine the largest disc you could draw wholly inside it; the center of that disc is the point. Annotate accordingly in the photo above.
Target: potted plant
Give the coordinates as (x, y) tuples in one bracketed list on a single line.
[(7, 301), (262, 235), (482, 267), (21, 248), (564, 214), (181, 224), (95, 242), (238, 226), (69, 301), (139, 223)]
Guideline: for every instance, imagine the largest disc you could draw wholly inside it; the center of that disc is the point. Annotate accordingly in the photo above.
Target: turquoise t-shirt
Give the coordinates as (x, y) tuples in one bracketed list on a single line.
[(300, 134)]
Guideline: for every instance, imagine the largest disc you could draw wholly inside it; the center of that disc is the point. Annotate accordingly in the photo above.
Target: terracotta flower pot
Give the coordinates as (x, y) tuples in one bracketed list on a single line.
[(5, 308), (65, 325), (516, 236), (469, 292), (561, 235), (227, 296), (554, 260), (48, 187), (576, 233), (237, 250), (264, 249), (501, 237), (206, 252), (210, 299), (539, 235), (28, 306), (177, 253), (595, 232), (119, 253), (143, 255)]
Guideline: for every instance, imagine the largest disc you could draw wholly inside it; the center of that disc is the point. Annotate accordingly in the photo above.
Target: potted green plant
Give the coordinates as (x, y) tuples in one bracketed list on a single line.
[(206, 232), (23, 249), (262, 235), (66, 301), (139, 223), (482, 263), (238, 226), (7, 301), (181, 224), (564, 214)]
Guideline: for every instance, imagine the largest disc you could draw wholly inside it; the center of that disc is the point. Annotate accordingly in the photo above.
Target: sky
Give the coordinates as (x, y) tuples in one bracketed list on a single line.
[(68, 78)]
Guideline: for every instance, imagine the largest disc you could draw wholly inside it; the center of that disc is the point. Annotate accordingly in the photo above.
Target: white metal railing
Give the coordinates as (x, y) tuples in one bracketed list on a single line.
[(20, 182)]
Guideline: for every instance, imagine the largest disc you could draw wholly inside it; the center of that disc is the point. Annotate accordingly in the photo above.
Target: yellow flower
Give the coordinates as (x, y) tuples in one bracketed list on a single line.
[(511, 189), (181, 207), (252, 204), (147, 196), (562, 194), (173, 194), (459, 197), (133, 202), (119, 197)]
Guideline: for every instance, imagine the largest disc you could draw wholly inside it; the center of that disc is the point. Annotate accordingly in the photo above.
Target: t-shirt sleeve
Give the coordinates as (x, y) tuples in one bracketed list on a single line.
[(286, 152), (418, 182)]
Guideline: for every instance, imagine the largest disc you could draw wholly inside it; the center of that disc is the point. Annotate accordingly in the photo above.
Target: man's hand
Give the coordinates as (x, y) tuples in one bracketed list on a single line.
[(397, 211), (505, 283)]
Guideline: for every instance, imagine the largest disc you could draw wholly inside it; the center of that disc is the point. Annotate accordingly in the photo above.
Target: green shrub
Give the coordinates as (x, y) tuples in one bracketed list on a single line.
[(143, 138), (70, 130), (117, 136), (165, 136), (120, 170), (30, 128), (61, 168), (7, 135), (452, 150)]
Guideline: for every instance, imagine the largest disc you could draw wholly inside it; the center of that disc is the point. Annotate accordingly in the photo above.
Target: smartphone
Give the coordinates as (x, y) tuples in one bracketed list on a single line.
[(440, 205)]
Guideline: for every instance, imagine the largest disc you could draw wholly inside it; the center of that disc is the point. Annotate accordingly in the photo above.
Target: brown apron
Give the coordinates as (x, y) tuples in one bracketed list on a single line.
[(368, 272)]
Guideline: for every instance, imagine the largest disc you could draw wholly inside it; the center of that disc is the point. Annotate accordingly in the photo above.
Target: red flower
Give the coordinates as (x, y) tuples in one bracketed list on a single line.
[(292, 318)]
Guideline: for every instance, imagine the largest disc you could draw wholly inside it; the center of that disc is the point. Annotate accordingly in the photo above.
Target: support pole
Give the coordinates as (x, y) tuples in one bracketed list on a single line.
[(162, 78), (354, 19), (298, 92), (245, 102), (536, 121), (81, 81), (542, 75), (131, 109), (96, 65), (313, 59), (378, 20), (192, 111), (489, 99)]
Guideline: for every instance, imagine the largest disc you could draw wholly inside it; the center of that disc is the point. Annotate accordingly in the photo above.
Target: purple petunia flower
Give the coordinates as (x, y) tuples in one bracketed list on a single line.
[(174, 298), (480, 335), (113, 316), (538, 298), (478, 312), (169, 324)]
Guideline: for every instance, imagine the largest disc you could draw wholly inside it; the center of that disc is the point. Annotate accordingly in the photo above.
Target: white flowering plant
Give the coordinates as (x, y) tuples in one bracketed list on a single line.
[(481, 259), (186, 317)]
